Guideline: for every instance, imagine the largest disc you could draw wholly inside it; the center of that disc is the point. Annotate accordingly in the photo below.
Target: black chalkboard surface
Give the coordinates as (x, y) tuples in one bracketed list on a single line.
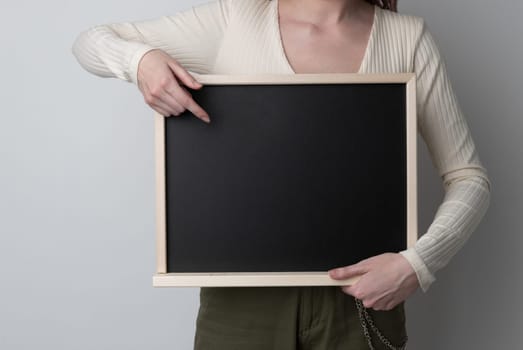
[(293, 176)]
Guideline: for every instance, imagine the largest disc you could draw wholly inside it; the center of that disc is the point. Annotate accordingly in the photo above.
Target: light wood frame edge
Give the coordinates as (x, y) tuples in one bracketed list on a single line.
[(161, 228), (412, 176), (326, 78), (243, 279), (164, 279)]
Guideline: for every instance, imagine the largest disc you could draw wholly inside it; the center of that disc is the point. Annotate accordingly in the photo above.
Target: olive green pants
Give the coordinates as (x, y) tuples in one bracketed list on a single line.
[(289, 318)]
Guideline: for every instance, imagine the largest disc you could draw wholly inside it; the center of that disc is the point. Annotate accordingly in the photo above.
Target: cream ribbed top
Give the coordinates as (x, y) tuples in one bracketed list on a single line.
[(243, 37)]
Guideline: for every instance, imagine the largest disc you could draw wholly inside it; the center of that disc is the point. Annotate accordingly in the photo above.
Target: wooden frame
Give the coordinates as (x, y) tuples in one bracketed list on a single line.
[(164, 279)]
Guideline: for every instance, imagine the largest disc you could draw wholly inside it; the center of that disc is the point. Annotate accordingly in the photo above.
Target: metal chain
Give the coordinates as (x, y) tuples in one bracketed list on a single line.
[(366, 322)]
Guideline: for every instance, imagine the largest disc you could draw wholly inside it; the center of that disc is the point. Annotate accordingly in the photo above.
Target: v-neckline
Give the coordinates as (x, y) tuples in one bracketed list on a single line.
[(370, 41)]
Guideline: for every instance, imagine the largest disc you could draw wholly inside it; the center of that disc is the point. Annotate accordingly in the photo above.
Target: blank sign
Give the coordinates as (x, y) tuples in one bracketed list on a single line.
[(295, 175)]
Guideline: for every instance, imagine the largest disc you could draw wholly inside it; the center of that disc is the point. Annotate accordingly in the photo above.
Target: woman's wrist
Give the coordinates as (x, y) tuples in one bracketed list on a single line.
[(425, 277)]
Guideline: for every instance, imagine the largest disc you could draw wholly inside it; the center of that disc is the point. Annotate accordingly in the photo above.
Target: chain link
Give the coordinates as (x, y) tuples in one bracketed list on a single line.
[(366, 322)]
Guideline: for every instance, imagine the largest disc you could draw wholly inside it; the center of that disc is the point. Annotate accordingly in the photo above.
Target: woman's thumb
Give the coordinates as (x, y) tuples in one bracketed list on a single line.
[(184, 76)]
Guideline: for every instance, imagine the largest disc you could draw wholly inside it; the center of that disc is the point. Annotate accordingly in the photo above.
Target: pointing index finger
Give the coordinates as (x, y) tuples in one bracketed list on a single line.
[(198, 111), (188, 103)]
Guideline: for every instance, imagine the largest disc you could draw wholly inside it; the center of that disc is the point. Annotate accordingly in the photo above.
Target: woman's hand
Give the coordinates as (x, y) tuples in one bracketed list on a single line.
[(386, 280), (159, 78)]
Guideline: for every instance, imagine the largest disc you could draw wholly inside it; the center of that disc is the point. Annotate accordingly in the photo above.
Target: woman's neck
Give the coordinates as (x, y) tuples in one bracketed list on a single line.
[(323, 12)]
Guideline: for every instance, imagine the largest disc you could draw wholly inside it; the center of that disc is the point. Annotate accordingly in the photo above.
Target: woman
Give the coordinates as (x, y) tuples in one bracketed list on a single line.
[(308, 36)]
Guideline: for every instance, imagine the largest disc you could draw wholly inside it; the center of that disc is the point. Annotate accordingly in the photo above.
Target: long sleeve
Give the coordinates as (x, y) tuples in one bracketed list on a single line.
[(467, 187), (192, 37)]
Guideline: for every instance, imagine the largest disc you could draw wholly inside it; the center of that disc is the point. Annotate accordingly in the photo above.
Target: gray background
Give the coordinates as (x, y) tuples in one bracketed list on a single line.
[(77, 188)]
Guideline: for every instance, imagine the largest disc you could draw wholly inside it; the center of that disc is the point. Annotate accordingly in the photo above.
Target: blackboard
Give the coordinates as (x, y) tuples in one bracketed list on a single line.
[(294, 175)]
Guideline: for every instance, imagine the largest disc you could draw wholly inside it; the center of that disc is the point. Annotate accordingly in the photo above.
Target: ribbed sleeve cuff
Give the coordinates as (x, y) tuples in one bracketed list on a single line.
[(139, 51), (425, 277)]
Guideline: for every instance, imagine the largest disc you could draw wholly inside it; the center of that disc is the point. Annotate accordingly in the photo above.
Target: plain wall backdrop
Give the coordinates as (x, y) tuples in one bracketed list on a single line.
[(77, 215)]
